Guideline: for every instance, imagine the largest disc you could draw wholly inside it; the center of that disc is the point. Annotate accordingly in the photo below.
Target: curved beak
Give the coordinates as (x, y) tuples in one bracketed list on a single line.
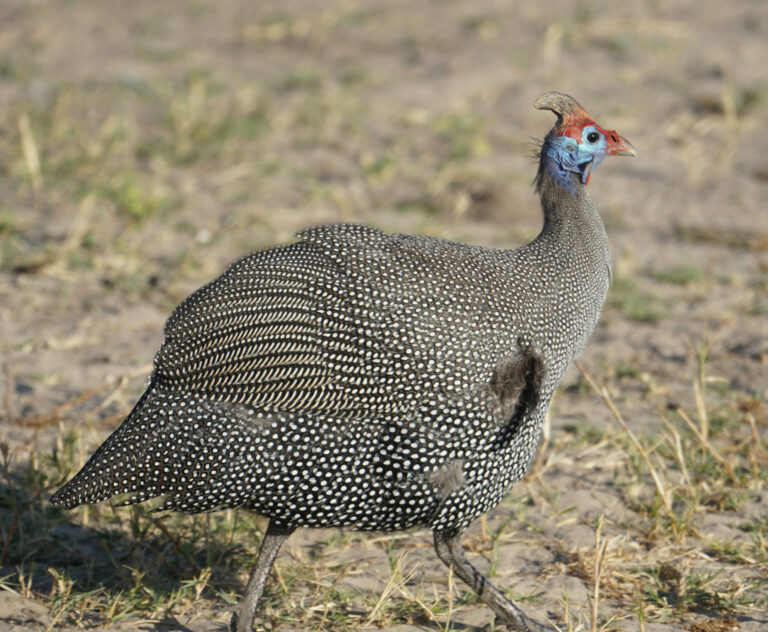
[(618, 146)]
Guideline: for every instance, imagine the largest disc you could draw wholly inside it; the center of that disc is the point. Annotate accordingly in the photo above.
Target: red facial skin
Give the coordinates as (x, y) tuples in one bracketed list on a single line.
[(573, 124)]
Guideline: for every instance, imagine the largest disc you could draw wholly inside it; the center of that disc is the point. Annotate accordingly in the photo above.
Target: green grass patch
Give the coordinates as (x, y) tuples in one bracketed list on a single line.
[(625, 296), (683, 274)]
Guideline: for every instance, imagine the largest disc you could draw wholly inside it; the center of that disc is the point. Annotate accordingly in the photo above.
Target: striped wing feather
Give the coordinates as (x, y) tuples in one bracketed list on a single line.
[(264, 334)]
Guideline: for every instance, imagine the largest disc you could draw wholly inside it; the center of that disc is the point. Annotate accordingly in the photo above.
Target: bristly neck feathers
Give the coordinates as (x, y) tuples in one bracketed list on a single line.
[(561, 179), (570, 216)]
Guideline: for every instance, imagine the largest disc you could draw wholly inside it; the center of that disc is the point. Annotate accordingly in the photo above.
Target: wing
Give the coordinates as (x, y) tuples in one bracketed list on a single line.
[(274, 331), (347, 320)]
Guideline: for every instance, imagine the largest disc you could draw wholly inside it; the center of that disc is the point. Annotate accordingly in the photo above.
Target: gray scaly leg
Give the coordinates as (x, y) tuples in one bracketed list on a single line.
[(450, 551), (242, 618)]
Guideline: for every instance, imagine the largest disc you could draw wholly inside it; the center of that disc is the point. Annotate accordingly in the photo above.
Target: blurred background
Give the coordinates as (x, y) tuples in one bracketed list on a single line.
[(145, 145)]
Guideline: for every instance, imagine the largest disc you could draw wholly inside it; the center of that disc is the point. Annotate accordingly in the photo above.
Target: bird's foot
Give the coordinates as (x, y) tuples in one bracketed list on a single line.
[(523, 624), (240, 623)]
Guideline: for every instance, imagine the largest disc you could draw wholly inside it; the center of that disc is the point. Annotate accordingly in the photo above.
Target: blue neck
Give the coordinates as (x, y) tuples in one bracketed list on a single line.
[(562, 158)]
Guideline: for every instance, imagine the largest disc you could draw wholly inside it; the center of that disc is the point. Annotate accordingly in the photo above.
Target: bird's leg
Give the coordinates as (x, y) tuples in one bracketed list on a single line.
[(245, 610), (450, 551)]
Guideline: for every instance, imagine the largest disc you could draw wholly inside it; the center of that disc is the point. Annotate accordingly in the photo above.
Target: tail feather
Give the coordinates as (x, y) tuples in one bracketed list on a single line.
[(195, 452), (111, 469)]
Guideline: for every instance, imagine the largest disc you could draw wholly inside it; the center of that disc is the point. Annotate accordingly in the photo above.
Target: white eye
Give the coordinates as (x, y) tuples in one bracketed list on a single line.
[(593, 137)]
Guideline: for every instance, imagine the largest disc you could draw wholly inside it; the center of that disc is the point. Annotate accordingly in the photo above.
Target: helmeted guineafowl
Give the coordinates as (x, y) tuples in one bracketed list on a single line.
[(371, 381)]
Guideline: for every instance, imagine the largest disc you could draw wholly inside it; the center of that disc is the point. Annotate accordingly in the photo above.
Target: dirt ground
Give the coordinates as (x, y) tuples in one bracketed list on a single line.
[(145, 145)]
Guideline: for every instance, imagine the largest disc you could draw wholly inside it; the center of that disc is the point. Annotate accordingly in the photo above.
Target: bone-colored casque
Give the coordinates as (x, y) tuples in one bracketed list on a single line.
[(370, 381)]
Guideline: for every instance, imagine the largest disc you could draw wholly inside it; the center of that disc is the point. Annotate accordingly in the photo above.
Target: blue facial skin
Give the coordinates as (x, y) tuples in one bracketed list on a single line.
[(564, 156)]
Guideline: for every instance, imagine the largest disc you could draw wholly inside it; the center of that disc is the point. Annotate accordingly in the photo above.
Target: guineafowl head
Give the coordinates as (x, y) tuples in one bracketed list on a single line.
[(576, 144)]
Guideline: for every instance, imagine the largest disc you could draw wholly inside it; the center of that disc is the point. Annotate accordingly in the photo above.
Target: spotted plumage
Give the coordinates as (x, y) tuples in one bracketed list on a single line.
[(365, 380)]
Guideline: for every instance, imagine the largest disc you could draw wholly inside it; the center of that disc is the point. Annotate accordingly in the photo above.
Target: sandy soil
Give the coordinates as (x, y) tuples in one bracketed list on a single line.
[(413, 117)]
